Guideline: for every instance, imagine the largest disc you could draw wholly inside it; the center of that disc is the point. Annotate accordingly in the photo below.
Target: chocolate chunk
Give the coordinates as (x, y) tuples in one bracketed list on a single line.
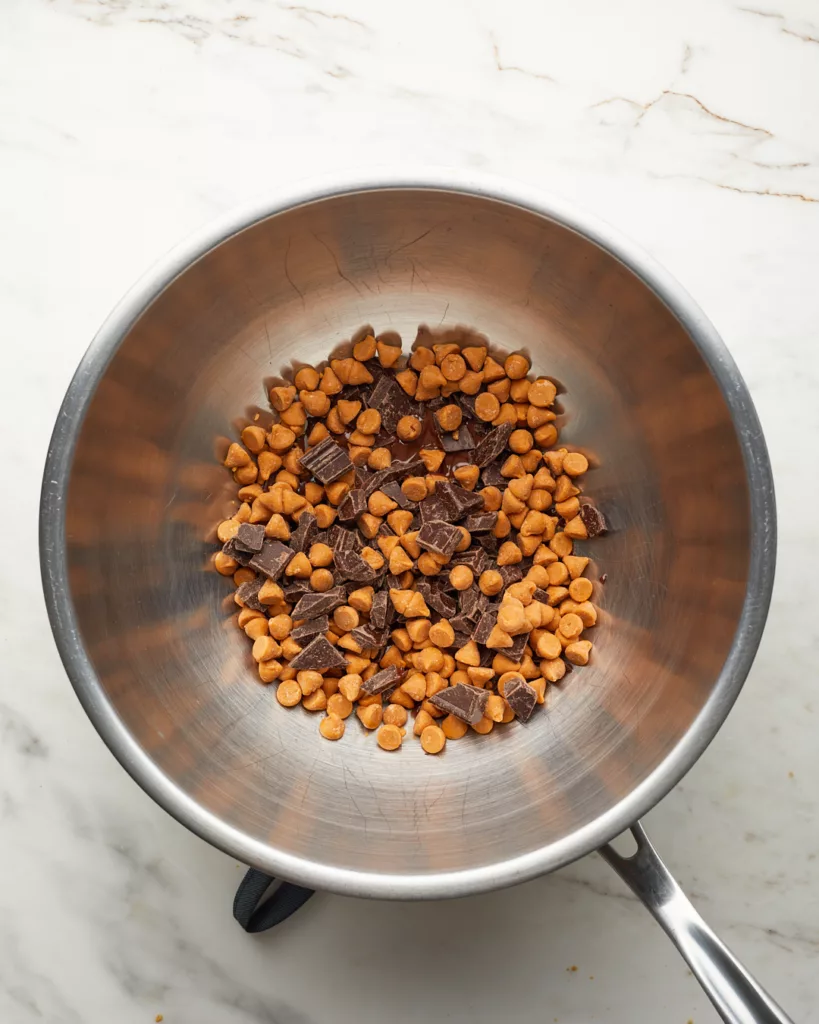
[(520, 697), (327, 461), (311, 628), (367, 638), (439, 537), (593, 520), (353, 505), (434, 404), (353, 567), (487, 656), (295, 591), (467, 404), (461, 624), (272, 560), (248, 594), (540, 595), (242, 557), (492, 445), (489, 543), (303, 536), (469, 600), (342, 539), (249, 537), (462, 638), (485, 625), (386, 397), (491, 476), (408, 467), (461, 501), (515, 652), (317, 655), (387, 679), (433, 508), (511, 574), (463, 701), (482, 522), (474, 557), (382, 611), (312, 605), (435, 598), (464, 442), (393, 490)]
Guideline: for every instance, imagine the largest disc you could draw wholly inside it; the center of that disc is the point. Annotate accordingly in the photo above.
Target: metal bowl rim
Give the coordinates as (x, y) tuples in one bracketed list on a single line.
[(53, 562)]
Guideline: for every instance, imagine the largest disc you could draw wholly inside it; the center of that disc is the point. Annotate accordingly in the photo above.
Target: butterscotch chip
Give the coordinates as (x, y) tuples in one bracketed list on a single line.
[(453, 366), (575, 464), (578, 652), (433, 739), (388, 355), (421, 357), (332, 727), (432, 458), (321, 580), (516, 366), (364, 349), (389, 737), (408, 428), (289, 693), (461, 577), (414, 488), (379, 458), (487, 407), (453, 728), (449, 417)]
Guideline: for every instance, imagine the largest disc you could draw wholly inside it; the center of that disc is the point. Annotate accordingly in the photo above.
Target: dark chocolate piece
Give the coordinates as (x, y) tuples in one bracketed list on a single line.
[(469, 600), (489, 542), (318, 654), (464, 442), (491, 476), (485, 625), (312, 605), (352, 506), (342, 539), (303, 536), (242, 557), (295, 591), (463, 701), (382, 611), (366, 637), (353, 567), (487, 656), (311, 628), (272, 560), (248, 594), (461, 624), (474, 557), (540, 595), (435, 598), (492, 445), (593, 520), (386, 397), (439, 537), (520, 697), (327, 461), (393, 490), (511, 574), (459, 499), (467, 404), (434, 507), (249, 537), (462, 638), (482, 522), (387, 679), (604, 577), (515, 652)]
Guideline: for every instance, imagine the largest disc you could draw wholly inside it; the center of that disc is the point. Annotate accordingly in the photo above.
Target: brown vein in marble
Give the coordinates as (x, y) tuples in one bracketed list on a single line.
[(645, 107), (799, 196), (500, 66), (782, 28), (314, 12)]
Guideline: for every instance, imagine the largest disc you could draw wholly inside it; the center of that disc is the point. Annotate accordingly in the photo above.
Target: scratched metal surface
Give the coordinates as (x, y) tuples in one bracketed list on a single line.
[(143, 626)]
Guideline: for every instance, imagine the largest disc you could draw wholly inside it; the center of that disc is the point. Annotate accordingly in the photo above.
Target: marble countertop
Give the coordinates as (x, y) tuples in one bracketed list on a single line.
[(126, 124)]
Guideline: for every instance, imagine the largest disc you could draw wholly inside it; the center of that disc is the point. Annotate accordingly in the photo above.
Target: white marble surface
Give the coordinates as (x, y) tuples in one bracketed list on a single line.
[(694, 127)]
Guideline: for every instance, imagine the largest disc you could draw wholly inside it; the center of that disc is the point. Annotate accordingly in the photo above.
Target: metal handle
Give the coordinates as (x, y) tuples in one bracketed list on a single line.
[(735, 994)]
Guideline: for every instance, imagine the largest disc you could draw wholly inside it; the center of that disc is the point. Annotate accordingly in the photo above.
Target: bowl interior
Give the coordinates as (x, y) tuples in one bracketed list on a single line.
[(146, 490)]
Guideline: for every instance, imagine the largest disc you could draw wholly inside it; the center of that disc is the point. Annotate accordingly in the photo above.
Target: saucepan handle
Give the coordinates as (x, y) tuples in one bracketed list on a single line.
[(738, 998)]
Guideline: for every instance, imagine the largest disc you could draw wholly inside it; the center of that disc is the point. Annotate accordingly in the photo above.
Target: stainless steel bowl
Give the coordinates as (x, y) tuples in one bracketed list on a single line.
[(133, 489)]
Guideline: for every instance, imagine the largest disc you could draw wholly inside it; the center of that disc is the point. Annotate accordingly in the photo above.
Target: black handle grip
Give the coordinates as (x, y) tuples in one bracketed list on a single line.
[(253, 914)]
